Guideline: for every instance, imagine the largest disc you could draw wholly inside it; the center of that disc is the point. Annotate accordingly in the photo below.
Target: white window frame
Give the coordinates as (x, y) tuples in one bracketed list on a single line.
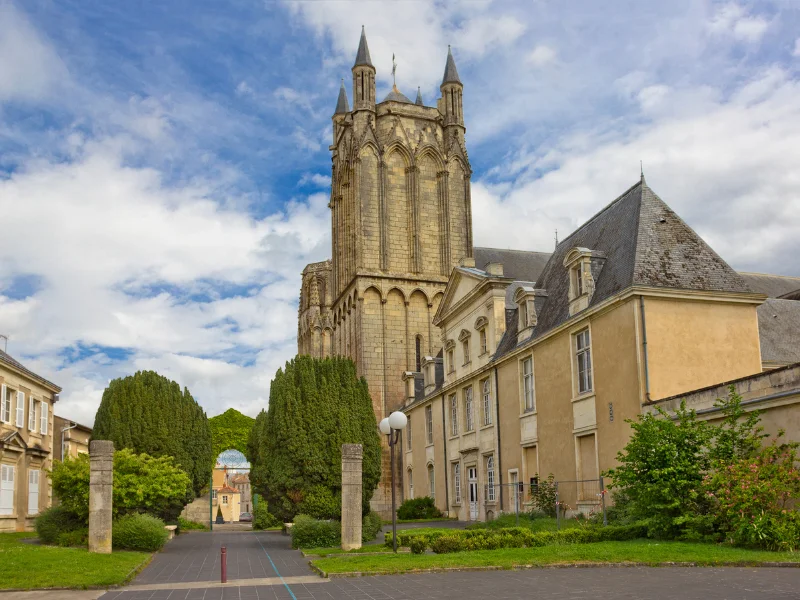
[(431, 481), (429, 424), (43, 425), (469, 410), (19, 420), (225, 498), (457, 482), (33, 491), (490, 473), (486, 386), (31, 413), (583, 361), (213, 494), (453, 414), (408, 437), (528, 385), (5, 404), (411, 483), (7, 489)]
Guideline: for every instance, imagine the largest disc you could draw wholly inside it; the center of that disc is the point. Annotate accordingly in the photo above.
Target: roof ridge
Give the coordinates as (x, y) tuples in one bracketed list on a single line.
[(769, 274), (512, 250)]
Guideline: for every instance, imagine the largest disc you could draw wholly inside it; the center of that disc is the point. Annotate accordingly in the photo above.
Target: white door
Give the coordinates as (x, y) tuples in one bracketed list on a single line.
[(472, 479), (6, 490), (515, 500)]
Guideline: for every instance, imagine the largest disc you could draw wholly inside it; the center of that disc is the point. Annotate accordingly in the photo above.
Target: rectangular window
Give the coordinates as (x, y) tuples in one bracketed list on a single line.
[(43, 424), (33, 491), (410, 484), (487, 402), (577, 281), (429, 423), (64, 449), (20, 419), (527, 385), (469, 424), (213, 494), (5, 404), (408, 429), (583, 350), (491, 491), (451, 361), (465, 346), (224, 499), (431, 482), (31, 414), (457, 483), (6, 489), (453, 415), (484, 349)]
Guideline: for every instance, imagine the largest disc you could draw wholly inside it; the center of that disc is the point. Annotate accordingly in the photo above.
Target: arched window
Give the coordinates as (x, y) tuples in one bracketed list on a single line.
[(431, 482), (418, 354)]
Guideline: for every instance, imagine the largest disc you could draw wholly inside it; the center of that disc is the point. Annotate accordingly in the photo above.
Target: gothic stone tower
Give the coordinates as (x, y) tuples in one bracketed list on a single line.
[(400, 221)]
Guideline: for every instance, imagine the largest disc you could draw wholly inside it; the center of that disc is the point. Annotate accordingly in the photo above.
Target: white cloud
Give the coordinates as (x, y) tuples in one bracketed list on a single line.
[(796, 51), (30, 69), (541, 56), (734, 20), (314, 179)]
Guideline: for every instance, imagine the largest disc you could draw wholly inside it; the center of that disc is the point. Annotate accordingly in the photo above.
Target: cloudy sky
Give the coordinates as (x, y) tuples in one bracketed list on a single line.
[(164, 167)]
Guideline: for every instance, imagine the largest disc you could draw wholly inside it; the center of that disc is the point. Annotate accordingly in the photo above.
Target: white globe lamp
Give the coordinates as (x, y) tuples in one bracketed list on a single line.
[(398, 420), (384, 427)]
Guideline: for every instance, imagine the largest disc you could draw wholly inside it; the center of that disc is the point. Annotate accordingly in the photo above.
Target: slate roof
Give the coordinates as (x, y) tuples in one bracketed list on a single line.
[(779, 330), (396, 96), (450, 71), (362, 56), (773, 286), (418, 101), (520, 265), (342, 105), (10, 360), (644, 243)]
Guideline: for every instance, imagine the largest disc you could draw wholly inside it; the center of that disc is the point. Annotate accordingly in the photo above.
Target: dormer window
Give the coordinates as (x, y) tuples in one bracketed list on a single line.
[(583, 266), (464, 337), (481, 325), (576, 275)]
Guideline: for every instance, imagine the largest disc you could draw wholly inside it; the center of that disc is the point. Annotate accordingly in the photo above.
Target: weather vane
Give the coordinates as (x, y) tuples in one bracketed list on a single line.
[(394, 70)]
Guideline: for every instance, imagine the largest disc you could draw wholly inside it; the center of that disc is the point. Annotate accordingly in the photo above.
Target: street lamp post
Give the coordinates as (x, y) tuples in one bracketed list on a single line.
[(391, 427)]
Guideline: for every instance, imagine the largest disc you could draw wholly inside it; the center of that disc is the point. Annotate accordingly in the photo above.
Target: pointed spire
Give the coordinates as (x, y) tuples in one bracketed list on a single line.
[(419, 97), (450, 71), (362, 56), (641, 171), (342, 106)]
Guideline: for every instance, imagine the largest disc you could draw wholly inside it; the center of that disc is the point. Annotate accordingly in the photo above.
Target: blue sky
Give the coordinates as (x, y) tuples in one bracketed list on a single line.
[(164, 166)]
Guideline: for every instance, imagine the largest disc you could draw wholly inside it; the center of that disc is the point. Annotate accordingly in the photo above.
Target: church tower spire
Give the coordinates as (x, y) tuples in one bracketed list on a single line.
[(363, 77), (450, 104)]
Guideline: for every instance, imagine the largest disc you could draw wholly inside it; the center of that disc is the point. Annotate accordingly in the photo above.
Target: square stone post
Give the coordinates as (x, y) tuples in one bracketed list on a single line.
[(352, 455), (101, 484)]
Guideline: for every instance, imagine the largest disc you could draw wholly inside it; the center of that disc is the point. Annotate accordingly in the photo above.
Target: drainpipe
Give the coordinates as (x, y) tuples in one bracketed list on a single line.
[(644, 346), (446, 463), (63, 431), (497, 428)]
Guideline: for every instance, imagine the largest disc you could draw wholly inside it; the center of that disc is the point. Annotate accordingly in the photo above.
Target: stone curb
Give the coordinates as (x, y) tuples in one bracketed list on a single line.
[(347, 554), (580, 565)]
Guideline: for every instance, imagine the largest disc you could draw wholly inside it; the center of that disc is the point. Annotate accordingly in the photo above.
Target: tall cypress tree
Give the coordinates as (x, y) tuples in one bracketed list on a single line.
[(295, 447), (148, 413)]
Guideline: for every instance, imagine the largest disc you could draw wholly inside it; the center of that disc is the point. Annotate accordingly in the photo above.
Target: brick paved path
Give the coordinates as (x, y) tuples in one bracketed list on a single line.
[(277, 572)]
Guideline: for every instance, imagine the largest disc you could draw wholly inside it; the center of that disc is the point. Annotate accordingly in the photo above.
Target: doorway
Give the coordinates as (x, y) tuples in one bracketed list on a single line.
[(472, 480)]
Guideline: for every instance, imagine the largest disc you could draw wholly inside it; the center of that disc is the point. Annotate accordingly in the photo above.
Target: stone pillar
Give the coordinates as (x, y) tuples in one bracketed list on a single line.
[(352, 455), (101, 480)]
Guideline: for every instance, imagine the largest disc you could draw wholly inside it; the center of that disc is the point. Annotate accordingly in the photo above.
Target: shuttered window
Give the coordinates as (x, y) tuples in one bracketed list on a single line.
[(6, 489), (43, 424), (5, 405), (20, 420), (31, 414), (33, 491)]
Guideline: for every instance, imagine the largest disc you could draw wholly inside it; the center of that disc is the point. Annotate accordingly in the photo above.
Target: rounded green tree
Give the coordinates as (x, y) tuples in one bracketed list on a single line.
[(295, 448), (149, 413)]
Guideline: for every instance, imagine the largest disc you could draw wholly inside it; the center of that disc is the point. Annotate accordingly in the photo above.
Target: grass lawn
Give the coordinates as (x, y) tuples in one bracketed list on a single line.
[(402, 521), (536, 524), (32, 566), (638, 551), (328, 551)]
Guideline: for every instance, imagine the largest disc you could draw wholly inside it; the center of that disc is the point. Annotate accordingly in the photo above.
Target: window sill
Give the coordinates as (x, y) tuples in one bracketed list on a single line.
[(489, 426), (528, 413), (484, 353), (454, 437), (583, 396), (429, 445)]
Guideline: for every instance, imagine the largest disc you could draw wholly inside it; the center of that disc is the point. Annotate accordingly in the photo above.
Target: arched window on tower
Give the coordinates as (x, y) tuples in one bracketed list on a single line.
[(418, 354)]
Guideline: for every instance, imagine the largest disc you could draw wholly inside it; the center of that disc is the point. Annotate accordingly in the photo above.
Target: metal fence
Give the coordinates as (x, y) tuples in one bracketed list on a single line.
[(560, 499)]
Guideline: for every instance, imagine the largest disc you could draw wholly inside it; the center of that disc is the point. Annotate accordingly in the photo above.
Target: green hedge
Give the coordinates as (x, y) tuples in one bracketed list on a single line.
[(55, 521), (138, 532), (371, 526), (445, 541), (262, 518), (418, 508), (308, 532)]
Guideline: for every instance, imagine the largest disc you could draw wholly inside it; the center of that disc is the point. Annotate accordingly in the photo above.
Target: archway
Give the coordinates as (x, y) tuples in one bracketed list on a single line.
[(231, 502)]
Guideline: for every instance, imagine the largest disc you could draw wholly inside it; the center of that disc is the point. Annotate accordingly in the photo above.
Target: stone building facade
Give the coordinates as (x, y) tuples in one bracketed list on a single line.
[(400, 221)]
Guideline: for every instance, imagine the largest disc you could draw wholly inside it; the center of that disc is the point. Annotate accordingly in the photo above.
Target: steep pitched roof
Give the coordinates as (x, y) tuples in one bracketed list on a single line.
[(418, 101), (342, 105), (362, 56), (773, 286), (644, 243), (450, 71), (13, 362), (397, 96), (520, 265), (779, 330)]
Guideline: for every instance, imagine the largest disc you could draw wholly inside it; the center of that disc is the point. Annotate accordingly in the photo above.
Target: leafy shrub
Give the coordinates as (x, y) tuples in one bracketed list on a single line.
[(448, 543), (543, 497), (142, 483), (262, 518), (138, 532), (79, 537), (308, 532), (321, 503), (418, 508), (186, 525), (56, 520), (418, 546), (371, 526)]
